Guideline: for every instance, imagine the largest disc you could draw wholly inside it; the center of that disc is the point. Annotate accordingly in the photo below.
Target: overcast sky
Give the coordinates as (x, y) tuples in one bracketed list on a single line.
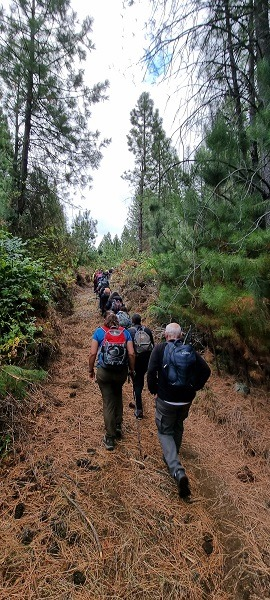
[(119, 35), (120, 38)]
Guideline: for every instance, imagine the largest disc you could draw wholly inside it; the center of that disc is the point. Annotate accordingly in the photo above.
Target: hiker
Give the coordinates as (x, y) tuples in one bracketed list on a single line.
[(113, 347), (175, 373), (103, 299), (103, 282), (143, 343), (123, 317), (96, 278), (115, 302)]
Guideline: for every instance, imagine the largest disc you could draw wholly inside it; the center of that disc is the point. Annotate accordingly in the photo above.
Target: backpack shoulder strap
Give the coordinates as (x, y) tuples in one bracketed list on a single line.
[(168, 350)]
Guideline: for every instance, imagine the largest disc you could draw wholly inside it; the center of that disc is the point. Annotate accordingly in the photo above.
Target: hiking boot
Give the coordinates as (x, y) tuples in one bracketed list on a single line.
[(118, 432), (183, 485), (138, 413), (108, 442)]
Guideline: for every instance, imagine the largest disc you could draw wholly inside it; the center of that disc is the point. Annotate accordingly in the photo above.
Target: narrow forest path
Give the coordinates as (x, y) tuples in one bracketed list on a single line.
[(79, 522)]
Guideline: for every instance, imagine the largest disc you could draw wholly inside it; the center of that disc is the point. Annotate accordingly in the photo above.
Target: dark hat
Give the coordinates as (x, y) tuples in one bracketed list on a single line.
[(136, 319)]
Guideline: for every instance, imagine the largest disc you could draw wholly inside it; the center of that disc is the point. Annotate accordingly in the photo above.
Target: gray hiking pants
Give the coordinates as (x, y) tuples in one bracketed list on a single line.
[(110, 383), (170, 425)]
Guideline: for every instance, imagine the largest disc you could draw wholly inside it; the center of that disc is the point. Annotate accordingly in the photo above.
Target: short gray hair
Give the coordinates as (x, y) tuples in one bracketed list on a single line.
[(173, 331)]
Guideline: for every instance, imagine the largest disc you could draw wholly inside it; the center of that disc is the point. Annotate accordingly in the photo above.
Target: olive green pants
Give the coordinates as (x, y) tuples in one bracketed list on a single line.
[(110, 384)]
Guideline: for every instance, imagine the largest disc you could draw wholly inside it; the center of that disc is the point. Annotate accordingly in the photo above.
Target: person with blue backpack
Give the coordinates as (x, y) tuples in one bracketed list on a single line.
[(175, 373)]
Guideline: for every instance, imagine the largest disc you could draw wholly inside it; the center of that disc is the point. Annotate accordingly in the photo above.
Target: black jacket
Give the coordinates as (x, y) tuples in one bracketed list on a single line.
[(157, 381), (110, 301)]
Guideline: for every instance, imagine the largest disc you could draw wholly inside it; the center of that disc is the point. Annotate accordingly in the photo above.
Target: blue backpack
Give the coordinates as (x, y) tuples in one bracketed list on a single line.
[(179, 362)]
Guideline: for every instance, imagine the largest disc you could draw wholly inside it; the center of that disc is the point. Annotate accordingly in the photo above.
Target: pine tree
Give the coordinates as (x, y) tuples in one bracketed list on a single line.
[(156, 175), (84, 231), (5, 167), (44, 95)]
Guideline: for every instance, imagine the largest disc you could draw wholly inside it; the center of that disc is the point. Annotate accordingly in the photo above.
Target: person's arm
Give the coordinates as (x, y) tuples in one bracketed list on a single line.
[(131, 356), (151, 337), (92, 357), (152, 371), (203, 372)]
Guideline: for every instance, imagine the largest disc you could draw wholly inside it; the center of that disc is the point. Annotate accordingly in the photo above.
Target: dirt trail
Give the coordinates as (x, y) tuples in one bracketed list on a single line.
[(80, 523)]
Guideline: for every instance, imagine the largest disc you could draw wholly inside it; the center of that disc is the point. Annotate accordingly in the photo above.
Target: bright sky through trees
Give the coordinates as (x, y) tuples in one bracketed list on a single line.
[(119, 35), (120, 38)]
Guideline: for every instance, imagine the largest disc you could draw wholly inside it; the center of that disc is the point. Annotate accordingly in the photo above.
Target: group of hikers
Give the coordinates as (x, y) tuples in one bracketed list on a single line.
[(175, 372), (108, 300)]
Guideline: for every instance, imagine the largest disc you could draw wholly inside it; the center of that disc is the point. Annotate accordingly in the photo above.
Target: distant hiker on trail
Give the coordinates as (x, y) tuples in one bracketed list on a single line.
[(103, 299), (115, 302), (96, 278), (123, 317), (143, 343), (175, 373), (103, 282), (113, 347)]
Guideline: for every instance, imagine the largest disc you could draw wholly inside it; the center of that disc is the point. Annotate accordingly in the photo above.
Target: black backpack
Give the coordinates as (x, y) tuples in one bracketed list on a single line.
[(116, 304), (179, 362), (103, 283)]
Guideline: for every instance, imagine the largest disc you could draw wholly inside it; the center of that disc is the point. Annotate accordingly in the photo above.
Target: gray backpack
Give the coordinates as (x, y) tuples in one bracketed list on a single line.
[(124, 319), (142, 341)]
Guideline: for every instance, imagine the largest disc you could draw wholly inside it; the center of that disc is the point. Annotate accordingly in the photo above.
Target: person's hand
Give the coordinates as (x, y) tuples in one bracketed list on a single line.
[(92, 374)]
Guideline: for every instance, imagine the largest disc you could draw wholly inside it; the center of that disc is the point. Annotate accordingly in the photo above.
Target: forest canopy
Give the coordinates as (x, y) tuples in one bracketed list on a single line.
[(198, 224)]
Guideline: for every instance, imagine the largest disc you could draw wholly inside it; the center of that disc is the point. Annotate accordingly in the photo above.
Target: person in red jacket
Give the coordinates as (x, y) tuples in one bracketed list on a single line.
[(173, 402)]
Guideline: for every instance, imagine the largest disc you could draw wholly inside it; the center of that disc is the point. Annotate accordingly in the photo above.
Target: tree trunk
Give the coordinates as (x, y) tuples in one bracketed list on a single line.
[(141, 193), (236, 91), (263, 40), (251, 89), (28, 117), (140, 215)]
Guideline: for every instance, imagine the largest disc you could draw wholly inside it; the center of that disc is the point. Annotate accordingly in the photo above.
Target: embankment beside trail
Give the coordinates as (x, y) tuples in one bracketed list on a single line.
[(79, 522)]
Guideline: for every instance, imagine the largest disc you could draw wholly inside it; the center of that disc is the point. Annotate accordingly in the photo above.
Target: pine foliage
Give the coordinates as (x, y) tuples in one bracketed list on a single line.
[(16, 381)]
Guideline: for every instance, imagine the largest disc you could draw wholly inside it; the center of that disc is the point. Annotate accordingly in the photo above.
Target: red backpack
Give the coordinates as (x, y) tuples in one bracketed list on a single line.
[(114, 347)]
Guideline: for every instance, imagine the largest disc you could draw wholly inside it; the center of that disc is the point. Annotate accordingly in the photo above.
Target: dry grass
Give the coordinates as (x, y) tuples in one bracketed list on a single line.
[(154, 546)]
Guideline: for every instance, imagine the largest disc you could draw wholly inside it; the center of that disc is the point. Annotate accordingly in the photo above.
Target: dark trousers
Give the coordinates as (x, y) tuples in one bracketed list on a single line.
[(110, 384), (170, 425), (141, 364), (102, 302)]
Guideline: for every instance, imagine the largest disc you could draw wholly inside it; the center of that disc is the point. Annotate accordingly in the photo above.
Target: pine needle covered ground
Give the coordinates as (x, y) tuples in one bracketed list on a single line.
[(81, 523)]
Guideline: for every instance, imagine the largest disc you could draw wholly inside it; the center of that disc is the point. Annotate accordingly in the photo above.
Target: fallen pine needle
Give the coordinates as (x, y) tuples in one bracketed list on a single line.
[(138, 462), (85, 518)]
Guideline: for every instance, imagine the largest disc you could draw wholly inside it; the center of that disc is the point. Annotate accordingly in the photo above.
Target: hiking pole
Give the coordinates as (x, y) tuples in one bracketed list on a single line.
[(138, 424), (187, 335), (139, 438), (131, 404)]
